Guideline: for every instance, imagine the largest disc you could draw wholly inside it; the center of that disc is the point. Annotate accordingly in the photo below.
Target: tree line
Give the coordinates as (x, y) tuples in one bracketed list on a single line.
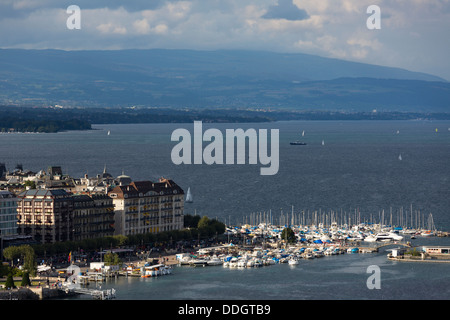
[(40, 126), (196, 228)]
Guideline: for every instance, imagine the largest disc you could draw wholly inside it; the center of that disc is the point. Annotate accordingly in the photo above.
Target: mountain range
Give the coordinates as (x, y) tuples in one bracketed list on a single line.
[(213, 79)]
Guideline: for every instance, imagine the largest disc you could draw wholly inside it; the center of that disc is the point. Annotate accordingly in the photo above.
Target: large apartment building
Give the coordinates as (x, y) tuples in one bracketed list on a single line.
[(46, 215), (93, 216), (49, 216), (148, 207)]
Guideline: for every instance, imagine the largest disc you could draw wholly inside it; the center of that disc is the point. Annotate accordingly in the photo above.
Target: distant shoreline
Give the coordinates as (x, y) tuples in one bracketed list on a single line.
[(50, 120)]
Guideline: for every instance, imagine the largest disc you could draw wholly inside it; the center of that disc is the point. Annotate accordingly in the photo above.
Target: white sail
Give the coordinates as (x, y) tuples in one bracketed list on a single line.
[(303, 133), (323, 142), (189, 196), (400, 157)]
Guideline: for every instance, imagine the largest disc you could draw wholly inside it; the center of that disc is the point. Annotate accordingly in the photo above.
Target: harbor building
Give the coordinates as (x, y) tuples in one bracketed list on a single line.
[(8, 215), (93, 216), (45, 215), (437, 250), (148, 207)]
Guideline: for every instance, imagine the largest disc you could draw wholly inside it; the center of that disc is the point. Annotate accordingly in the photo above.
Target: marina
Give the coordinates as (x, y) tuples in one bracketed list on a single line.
[(262, 246), (329, 276)]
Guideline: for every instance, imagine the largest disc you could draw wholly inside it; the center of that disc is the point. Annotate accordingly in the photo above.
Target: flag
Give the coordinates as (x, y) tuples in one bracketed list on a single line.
[(70, 256)]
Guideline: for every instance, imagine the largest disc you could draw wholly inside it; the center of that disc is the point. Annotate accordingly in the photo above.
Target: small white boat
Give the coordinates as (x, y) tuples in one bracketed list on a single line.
[(198, 262), (370, 238), (156, 270), (242, 263), (389, 236), (257, 263), (233, 262), (308, 255), (214, 262), (318, 254), (293, 261)]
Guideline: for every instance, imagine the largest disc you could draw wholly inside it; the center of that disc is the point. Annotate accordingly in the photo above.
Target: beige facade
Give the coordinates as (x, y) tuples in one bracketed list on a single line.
[(148, 207), (45, 215), (50, 216)]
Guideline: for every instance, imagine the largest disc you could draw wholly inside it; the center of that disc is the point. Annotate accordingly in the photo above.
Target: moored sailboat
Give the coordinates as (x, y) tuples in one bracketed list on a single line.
[(189, 198)]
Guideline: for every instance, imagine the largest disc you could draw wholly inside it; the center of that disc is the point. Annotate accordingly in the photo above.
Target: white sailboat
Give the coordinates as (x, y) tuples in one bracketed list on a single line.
[(303, 133), (323, 142), (189, 198), (109, 132), (400, 157)]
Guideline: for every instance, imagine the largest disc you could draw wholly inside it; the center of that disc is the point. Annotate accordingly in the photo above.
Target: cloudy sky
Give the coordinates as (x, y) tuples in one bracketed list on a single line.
[(414, 34)]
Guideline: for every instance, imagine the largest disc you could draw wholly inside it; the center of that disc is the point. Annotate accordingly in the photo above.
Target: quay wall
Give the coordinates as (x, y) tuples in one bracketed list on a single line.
[(31, 293)]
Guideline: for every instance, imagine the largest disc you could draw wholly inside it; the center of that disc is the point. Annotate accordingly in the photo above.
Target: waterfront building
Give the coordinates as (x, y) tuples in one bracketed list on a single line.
[(98, 184), (45, 215), (148, 207), (93, 216), (437, 250), (8, 215)]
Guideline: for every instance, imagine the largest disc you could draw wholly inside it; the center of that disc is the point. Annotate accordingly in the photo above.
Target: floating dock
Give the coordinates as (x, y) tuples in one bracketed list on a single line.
[(95, 293)]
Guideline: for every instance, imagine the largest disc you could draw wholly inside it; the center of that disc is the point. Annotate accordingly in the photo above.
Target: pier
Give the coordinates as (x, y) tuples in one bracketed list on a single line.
[(95, 293), (76, 288)]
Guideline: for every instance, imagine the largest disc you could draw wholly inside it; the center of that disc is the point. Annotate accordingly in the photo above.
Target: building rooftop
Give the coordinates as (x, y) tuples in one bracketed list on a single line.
[(147, 188), (44, 193), (6, 194)]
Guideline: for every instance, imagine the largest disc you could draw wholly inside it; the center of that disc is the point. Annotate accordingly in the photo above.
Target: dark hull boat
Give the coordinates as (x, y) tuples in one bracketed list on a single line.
[(298, 143)]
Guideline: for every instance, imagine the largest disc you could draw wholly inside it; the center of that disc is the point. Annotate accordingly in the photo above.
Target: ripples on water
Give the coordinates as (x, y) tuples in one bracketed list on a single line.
[(357, 168)]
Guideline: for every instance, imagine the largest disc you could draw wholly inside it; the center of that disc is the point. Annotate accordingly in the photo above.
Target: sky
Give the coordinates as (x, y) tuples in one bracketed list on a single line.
[(414, 34)]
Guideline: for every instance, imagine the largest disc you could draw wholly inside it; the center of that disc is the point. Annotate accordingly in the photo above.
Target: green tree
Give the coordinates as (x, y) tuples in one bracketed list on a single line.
[(31, 184), (25, 280), (10, 282), (27, 253), (112, 259), (288, 235), (203, 223), (191, 221)]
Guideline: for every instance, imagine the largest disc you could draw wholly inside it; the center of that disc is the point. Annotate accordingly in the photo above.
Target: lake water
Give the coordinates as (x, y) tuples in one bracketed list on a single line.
[(357, 168)]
